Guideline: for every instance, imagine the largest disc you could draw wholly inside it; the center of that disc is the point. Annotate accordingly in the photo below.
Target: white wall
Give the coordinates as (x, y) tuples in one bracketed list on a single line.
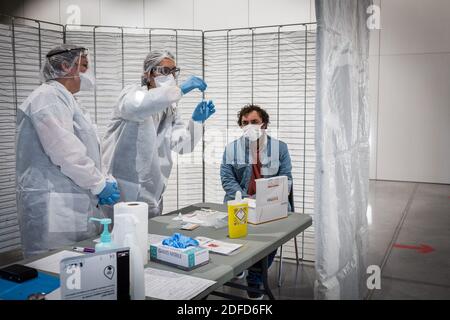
[(187, 14), (410, 92)]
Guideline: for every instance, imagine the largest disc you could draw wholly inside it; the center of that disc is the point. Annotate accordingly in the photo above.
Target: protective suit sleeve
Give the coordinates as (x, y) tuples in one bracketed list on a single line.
[(54, 126), (138, 103), (185, 138)]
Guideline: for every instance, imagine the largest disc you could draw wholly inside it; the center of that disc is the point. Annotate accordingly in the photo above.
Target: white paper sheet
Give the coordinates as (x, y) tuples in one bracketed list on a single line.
[(216, 246), (152, 238), (51, 263), (168, 285), (204, 218)]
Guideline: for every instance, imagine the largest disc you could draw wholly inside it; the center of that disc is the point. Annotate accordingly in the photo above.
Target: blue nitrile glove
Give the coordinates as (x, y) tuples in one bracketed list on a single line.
[(203, 111), (193, 83), (177, 240), (110, 194)]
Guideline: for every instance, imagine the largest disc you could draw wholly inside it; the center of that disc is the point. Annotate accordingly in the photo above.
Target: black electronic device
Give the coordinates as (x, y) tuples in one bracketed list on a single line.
[(18, 273)]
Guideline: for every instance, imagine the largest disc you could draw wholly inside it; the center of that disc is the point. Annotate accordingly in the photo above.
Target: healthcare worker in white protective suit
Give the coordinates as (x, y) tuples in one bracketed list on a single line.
[(146, 127), (59, 177)]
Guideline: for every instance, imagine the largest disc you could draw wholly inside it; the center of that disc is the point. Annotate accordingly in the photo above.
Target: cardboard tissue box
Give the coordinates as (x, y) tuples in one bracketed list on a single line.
[(186, 259)]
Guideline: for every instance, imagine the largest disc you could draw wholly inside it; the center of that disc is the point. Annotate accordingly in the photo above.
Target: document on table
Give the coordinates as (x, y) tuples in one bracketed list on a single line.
[(168, 285), (51, 263), (216, 246), (205, 218), (152, 238)]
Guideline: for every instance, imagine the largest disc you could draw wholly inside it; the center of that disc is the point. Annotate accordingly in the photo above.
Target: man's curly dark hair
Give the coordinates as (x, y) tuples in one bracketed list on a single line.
[(250, 108)]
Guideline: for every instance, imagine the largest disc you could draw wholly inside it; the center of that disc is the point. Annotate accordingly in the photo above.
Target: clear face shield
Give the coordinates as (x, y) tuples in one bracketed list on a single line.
[(65, 65), (86, 73)]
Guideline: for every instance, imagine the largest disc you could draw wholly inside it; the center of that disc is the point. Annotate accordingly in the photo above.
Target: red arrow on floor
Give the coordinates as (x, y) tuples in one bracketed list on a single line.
[(423, 248)]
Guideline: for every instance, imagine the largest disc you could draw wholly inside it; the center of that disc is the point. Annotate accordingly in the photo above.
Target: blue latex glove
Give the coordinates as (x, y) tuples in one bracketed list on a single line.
[(193, 83), (203, 111), (110, 194), (177, 240)]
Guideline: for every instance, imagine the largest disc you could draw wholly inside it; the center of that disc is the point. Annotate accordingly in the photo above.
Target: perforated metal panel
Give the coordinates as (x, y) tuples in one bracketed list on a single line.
[(275, 69), (23, 44)]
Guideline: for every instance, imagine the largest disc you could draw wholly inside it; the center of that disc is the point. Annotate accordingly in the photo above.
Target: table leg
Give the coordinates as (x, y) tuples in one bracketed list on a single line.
[(265, 268)]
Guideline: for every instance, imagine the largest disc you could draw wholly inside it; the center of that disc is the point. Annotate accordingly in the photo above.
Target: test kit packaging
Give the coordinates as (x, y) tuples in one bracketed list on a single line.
[(104, 275), (258, 214), (186, 259), (271, 201)]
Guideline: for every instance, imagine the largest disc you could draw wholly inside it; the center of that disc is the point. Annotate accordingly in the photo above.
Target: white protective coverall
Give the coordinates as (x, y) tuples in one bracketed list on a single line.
[(146, 127), (58, 168)]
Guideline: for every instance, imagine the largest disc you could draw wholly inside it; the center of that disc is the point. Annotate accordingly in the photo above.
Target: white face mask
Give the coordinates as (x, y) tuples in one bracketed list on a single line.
[(253, 131), (87, 81), (165, 81)]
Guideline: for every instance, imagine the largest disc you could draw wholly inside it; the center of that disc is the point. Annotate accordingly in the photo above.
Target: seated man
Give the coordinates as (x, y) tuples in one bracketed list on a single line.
[(255, 155)]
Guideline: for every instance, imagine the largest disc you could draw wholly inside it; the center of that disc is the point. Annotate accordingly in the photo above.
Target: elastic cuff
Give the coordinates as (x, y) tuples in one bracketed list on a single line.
[(97, 189)]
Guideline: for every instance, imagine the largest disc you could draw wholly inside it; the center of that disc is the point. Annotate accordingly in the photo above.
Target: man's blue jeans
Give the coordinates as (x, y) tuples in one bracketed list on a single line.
[(254, 276)]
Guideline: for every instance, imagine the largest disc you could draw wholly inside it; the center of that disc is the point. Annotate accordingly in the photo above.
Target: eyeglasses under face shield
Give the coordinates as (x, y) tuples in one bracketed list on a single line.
[(165, 71)]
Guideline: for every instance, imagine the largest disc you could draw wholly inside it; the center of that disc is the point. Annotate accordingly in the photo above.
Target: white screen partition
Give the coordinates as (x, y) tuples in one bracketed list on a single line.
[(271, 67), (23, 45)]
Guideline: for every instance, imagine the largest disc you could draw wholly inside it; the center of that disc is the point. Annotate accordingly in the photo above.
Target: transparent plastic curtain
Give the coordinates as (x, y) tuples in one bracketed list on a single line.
[(342, 148)]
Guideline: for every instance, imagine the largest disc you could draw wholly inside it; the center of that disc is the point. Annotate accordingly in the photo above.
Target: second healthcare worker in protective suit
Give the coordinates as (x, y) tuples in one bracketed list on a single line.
[(146, 127), (59, 177)]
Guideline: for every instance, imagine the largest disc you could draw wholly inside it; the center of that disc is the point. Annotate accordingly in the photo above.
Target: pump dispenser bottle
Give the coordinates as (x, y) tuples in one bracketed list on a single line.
[(105, 238)]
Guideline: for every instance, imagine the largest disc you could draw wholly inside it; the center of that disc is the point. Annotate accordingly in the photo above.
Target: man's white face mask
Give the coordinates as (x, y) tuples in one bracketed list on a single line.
[(253, 131), (87, 81), (165, 81)]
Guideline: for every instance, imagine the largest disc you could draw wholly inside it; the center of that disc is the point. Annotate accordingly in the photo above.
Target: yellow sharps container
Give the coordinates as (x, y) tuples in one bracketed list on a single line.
[(237, 217)]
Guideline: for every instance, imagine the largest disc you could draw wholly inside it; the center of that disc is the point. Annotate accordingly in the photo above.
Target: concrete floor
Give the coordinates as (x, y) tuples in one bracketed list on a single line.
[(402, 213), (410, 214)]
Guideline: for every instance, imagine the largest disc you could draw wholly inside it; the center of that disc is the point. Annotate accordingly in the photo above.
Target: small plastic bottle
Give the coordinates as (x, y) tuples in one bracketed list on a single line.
[(105, 238)]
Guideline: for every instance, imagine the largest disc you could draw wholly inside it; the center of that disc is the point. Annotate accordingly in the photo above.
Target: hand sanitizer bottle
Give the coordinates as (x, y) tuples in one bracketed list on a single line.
[(105, 238)]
